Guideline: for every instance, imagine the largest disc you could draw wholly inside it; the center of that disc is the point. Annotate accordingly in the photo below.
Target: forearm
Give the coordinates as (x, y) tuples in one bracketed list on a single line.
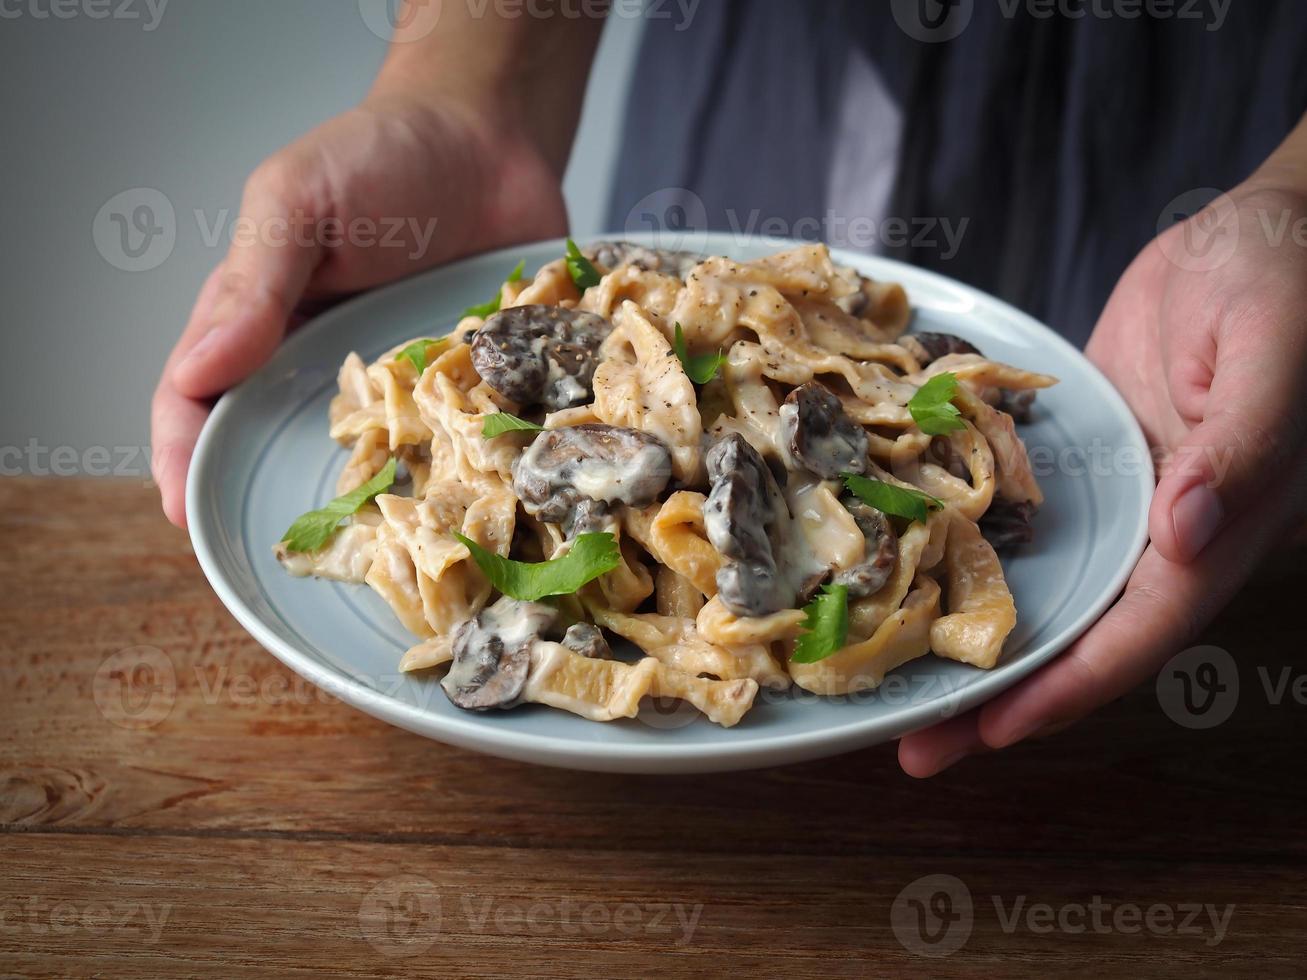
[(526, 72)]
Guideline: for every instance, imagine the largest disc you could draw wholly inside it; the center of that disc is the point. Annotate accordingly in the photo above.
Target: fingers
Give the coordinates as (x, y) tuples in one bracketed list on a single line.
[(175, 423), (243, 315), (1248, 441), (239, 317), (1163, 607), (932, 750)]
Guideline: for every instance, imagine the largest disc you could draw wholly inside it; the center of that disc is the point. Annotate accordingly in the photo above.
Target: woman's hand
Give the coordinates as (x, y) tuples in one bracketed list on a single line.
[(388, 189), (1206, 337)]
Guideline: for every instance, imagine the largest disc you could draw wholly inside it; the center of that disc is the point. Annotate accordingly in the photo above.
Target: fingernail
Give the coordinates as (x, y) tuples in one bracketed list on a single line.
[(205, 344), (1196, 517)]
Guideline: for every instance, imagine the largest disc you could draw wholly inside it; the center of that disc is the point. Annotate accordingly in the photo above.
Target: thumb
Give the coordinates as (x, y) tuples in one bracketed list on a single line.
[(256, 288), (1242, 454)]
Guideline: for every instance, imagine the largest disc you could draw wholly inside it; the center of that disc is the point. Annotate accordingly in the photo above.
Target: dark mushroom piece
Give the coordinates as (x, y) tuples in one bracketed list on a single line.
[(588, 515), (492, 654), (661, 260), (818, 436), (1006, 525), (933, 346), (540, 355), (937, 345), (882, 554), (564, 472), (587, 640), (1019, 404), (744, 516)]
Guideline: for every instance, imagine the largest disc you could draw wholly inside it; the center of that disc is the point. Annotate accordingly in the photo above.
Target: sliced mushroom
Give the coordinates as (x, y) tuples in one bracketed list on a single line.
[(744, 516), (930, 347), (588, 641), (565, 467), (1018, 404), (540, 355), (661, 260), (588, 515), (867, 577), (1006, 525), (937, 345), (818, 436), (492, 654)]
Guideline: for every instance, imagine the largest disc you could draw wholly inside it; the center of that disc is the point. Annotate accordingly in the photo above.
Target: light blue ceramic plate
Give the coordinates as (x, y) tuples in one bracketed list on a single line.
[(264, 457)]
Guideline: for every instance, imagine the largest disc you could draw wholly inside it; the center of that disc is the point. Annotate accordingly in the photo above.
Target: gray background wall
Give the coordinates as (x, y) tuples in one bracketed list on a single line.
[(93, 106)]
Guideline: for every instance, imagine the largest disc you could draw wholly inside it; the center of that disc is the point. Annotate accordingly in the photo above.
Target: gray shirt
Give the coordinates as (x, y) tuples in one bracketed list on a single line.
[(1028, 147)]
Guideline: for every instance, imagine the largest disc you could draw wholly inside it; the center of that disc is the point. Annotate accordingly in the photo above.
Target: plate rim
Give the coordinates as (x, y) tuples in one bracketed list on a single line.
[(754, 751)]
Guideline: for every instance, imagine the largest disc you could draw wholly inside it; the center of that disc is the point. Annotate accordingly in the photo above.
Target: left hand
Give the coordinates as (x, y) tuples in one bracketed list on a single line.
[(1206, 338)]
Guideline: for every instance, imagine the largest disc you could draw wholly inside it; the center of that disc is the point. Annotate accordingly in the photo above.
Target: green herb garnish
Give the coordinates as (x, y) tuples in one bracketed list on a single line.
[(591, 555), (699, 368), (826, 625), (484, 310), (416, 352), (889, 499), (932, 406), (501, 422), (312, 530), (583, 272)]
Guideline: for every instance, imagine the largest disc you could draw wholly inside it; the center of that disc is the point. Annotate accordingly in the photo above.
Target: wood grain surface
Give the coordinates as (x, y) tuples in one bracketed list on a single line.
[(174, 802)]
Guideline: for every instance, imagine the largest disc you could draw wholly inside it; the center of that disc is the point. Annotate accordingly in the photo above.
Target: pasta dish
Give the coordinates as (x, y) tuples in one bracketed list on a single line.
[(651, 473)]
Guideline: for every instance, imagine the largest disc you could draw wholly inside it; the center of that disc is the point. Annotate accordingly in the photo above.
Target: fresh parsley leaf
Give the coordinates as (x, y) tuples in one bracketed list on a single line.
[(826, 626), (501, 422), (312, 530), (488, 309), (699, 368), (591, 555), (932, 406), (583, 273), (416, 353), (892, 500)]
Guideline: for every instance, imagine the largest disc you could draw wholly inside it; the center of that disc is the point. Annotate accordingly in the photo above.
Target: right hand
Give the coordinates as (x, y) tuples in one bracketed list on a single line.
[(460, 182)]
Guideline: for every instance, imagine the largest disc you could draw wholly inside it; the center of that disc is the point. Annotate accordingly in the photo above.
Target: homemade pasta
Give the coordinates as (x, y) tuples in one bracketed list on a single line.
[(751, 473)]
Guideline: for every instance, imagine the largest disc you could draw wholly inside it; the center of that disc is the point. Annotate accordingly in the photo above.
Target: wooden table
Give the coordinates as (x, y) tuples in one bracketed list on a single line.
[(225, 819)]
